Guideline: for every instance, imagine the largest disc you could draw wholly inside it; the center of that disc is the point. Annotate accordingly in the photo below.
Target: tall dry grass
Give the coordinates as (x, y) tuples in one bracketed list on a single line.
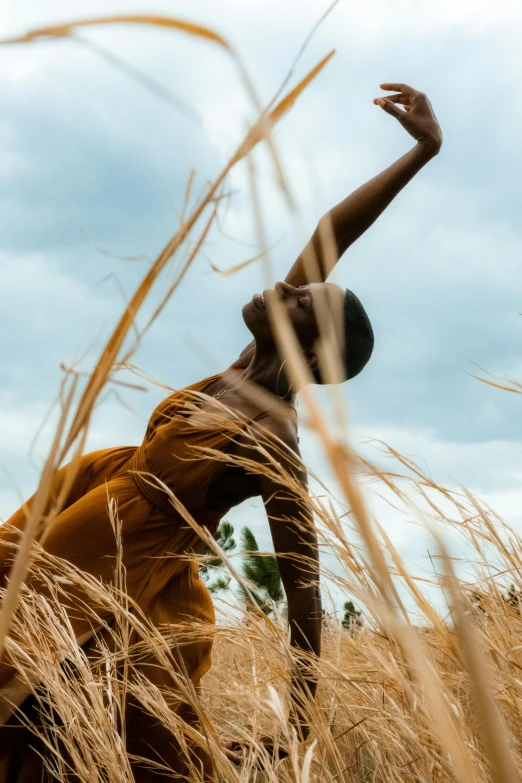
[(435, 699)]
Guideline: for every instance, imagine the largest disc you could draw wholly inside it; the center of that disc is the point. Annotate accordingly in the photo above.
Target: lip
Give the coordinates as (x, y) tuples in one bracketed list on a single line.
[(259, 301)]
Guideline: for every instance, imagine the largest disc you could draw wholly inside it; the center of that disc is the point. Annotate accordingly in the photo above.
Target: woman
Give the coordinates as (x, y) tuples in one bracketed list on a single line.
[(168, 589)]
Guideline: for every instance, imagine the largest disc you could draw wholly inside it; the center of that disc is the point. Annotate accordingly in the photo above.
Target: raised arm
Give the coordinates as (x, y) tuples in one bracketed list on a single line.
[(345, 223)]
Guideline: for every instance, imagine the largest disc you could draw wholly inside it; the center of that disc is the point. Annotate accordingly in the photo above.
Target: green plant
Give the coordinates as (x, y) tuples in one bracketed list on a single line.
[(352, 617), (225, 538), (263, 572)]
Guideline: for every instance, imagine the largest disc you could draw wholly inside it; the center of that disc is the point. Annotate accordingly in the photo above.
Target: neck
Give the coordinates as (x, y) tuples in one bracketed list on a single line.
[(268, 370)]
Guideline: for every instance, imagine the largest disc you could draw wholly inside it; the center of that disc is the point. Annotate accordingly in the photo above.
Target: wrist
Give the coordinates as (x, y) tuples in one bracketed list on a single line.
[(429, 148)]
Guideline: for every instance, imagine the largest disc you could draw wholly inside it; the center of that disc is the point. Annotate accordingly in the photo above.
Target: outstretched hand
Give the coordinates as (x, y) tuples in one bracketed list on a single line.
[(417, 117)]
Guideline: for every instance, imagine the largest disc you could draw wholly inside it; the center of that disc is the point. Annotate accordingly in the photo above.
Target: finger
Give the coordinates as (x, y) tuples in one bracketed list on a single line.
[(399, 87), (399, 97), (389, 107)]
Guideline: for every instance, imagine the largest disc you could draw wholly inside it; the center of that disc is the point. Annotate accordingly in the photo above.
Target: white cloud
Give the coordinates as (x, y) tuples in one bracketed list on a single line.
[(50, 296), (377, 20)]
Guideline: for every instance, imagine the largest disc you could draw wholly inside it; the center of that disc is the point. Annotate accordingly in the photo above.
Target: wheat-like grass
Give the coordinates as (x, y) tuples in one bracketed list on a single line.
[(396, 701)]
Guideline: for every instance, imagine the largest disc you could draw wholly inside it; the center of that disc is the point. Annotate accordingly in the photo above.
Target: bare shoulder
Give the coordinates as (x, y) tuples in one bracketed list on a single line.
[(281, 450), (282, 427), (282, 440)]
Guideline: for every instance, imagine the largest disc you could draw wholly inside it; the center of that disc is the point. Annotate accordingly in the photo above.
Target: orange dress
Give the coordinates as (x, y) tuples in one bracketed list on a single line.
[(165, 585)]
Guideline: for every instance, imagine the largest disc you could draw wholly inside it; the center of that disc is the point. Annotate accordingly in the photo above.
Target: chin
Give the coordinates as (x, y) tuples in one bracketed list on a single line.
[(256, 317)]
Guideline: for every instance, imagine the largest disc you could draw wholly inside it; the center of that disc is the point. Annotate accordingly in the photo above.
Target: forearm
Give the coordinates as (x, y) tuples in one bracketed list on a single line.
[(304, 679), (305, 619), (347, 221), (295, 543)]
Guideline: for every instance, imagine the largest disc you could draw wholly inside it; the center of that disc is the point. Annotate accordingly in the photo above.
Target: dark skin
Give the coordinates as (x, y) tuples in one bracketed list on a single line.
[(260, 366)]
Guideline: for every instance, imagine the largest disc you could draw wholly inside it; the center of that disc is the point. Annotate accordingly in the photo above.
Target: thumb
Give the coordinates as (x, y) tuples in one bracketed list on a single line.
[(390, 108)]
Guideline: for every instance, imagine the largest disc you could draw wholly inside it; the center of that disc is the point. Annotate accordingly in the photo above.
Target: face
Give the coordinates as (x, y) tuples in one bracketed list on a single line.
[(304, 307)]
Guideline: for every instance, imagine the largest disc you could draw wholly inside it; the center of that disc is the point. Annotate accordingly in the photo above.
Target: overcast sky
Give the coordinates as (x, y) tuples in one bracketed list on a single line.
[(94, 169)]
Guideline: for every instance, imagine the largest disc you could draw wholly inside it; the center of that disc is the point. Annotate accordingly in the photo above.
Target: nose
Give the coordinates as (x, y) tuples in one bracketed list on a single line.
[(285, 289)]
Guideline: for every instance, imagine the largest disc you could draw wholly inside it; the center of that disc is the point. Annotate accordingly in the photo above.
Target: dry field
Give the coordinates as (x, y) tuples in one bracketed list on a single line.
[(429, 699), (434, 700)]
